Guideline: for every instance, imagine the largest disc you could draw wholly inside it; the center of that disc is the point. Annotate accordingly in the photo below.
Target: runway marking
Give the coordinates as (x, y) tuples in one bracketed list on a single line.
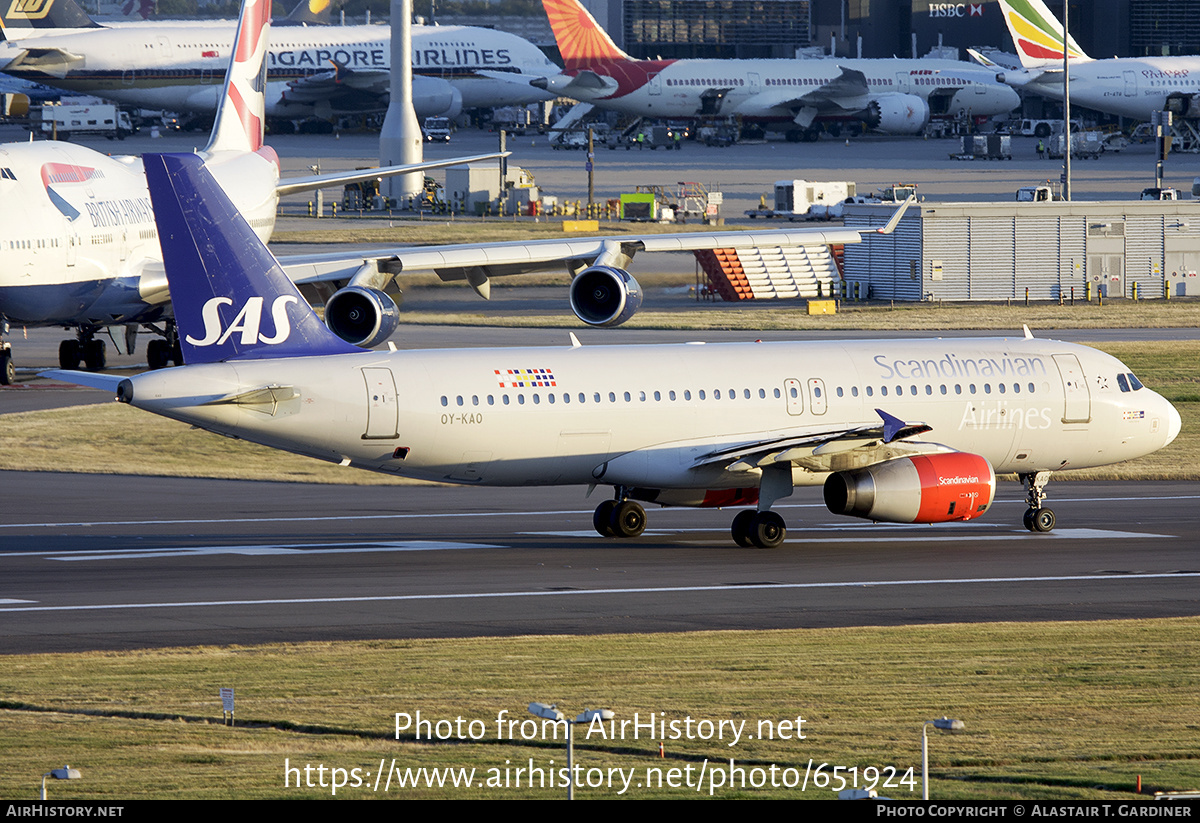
[(887, 537), (400, 598), (7, 600), (264, 551), (431, 515)]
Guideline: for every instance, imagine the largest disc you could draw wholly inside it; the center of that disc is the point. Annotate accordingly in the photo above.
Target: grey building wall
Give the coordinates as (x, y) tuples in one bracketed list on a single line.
[(997, 251)]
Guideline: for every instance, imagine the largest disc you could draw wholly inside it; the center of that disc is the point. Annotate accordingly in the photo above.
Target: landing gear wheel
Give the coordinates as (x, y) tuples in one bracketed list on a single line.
[(1043, 520), (628, 519), (8, 371), (1028, 519), (158, 354), (68, 354), (602, 518), (767, 530), (741, 528), (94, 355)]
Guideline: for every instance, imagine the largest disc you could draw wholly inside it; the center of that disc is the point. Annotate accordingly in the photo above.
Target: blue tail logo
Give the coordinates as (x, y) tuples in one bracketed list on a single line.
[(231, 297)]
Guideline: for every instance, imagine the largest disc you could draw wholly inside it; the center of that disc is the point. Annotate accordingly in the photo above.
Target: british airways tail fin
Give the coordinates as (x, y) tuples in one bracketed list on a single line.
[(242, 110), (230, 296), (1037, 34), (581, 41)]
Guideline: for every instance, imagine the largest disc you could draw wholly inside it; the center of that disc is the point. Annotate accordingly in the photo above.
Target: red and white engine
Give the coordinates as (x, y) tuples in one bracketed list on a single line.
[(925, 488)]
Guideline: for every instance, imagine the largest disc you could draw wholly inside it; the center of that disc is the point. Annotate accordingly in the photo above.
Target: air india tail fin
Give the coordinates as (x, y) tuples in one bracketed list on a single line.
[(231, 297), (241, 113), (1037, 34), (26, 18), (581, 41)]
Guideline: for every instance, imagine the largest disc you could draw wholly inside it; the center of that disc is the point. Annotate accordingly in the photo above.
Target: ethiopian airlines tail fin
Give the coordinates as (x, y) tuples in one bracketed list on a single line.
[(27, 18), (1037, 34), (242, 111), (581, 41), (231, 298)]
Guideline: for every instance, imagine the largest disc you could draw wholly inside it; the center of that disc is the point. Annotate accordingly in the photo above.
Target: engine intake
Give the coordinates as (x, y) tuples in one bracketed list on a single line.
[(927, 488), (605, 296), (362, 316), (898, 113)]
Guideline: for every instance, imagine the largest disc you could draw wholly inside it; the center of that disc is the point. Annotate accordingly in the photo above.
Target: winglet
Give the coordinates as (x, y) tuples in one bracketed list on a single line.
[(896, 429), (979, 58), (895, 221), (231, 298), (891, 425)]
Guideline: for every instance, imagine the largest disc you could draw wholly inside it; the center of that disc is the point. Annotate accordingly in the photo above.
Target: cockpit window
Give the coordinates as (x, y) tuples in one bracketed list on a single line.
[(1122, 382), (1137, 384)]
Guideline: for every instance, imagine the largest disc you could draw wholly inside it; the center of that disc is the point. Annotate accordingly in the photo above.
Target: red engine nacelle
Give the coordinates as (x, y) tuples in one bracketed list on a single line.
[(927, 488)]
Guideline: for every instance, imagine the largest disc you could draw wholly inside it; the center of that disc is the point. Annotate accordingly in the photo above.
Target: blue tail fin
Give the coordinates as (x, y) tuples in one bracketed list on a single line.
[(231, 298)]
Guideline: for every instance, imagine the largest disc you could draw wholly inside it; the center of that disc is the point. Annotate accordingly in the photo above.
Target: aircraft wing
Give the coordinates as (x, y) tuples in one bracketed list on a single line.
[(846, 92), (55, 62), (824, 450), (479, 262)]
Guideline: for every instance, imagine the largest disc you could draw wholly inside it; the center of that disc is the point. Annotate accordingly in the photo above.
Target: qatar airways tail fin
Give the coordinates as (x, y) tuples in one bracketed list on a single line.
[(230, 295), (581, 40), (242, 110), (1037, 34)]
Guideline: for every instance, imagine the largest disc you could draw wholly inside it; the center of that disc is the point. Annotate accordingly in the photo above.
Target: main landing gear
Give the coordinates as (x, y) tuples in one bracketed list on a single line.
[(764, 530), (163, 351), (619, 518), (1037, 519), (761, 527), (84, 347)]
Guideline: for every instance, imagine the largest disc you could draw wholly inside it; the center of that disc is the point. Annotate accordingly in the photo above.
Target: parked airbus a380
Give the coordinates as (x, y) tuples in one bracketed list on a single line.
[(77, 239), (690, 425), (1126, 86), (897, 96), (312, 70)]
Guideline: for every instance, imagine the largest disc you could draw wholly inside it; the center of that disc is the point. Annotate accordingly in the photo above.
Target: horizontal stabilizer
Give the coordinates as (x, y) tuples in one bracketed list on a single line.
[(105, 382)]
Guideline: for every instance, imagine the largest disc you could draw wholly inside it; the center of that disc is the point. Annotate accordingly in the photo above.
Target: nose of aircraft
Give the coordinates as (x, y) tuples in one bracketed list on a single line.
[(1174, 423)]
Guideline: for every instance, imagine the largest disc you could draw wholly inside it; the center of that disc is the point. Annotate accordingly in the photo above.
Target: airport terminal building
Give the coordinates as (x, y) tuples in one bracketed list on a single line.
[(885, 28)]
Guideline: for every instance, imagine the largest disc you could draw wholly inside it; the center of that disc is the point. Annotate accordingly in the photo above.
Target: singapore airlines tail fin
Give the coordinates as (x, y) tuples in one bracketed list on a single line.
[(25, 18), (581, 40), (242, 111), (1037, 34), (231, 298)]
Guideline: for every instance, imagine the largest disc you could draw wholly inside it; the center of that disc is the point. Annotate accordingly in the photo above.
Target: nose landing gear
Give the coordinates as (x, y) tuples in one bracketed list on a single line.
[(1037, 518)]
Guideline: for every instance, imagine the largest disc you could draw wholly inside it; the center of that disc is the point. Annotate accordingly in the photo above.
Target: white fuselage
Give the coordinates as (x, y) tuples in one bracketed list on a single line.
[(773, 89), (181, 67), (1129, 87), (652, 416), (77, 233)]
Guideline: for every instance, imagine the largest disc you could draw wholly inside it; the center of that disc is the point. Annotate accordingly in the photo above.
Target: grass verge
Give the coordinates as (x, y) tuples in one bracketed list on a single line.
[(1052, 710)]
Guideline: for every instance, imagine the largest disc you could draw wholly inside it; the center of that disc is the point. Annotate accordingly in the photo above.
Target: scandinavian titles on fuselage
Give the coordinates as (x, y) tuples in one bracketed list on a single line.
[(950, 365)]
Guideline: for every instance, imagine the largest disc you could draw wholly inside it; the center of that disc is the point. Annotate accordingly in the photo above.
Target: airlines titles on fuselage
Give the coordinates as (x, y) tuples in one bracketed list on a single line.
[(377, 56), (124, 212)]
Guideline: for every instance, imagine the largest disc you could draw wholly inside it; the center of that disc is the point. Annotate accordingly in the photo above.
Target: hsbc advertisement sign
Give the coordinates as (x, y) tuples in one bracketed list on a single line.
[(951, 10)]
